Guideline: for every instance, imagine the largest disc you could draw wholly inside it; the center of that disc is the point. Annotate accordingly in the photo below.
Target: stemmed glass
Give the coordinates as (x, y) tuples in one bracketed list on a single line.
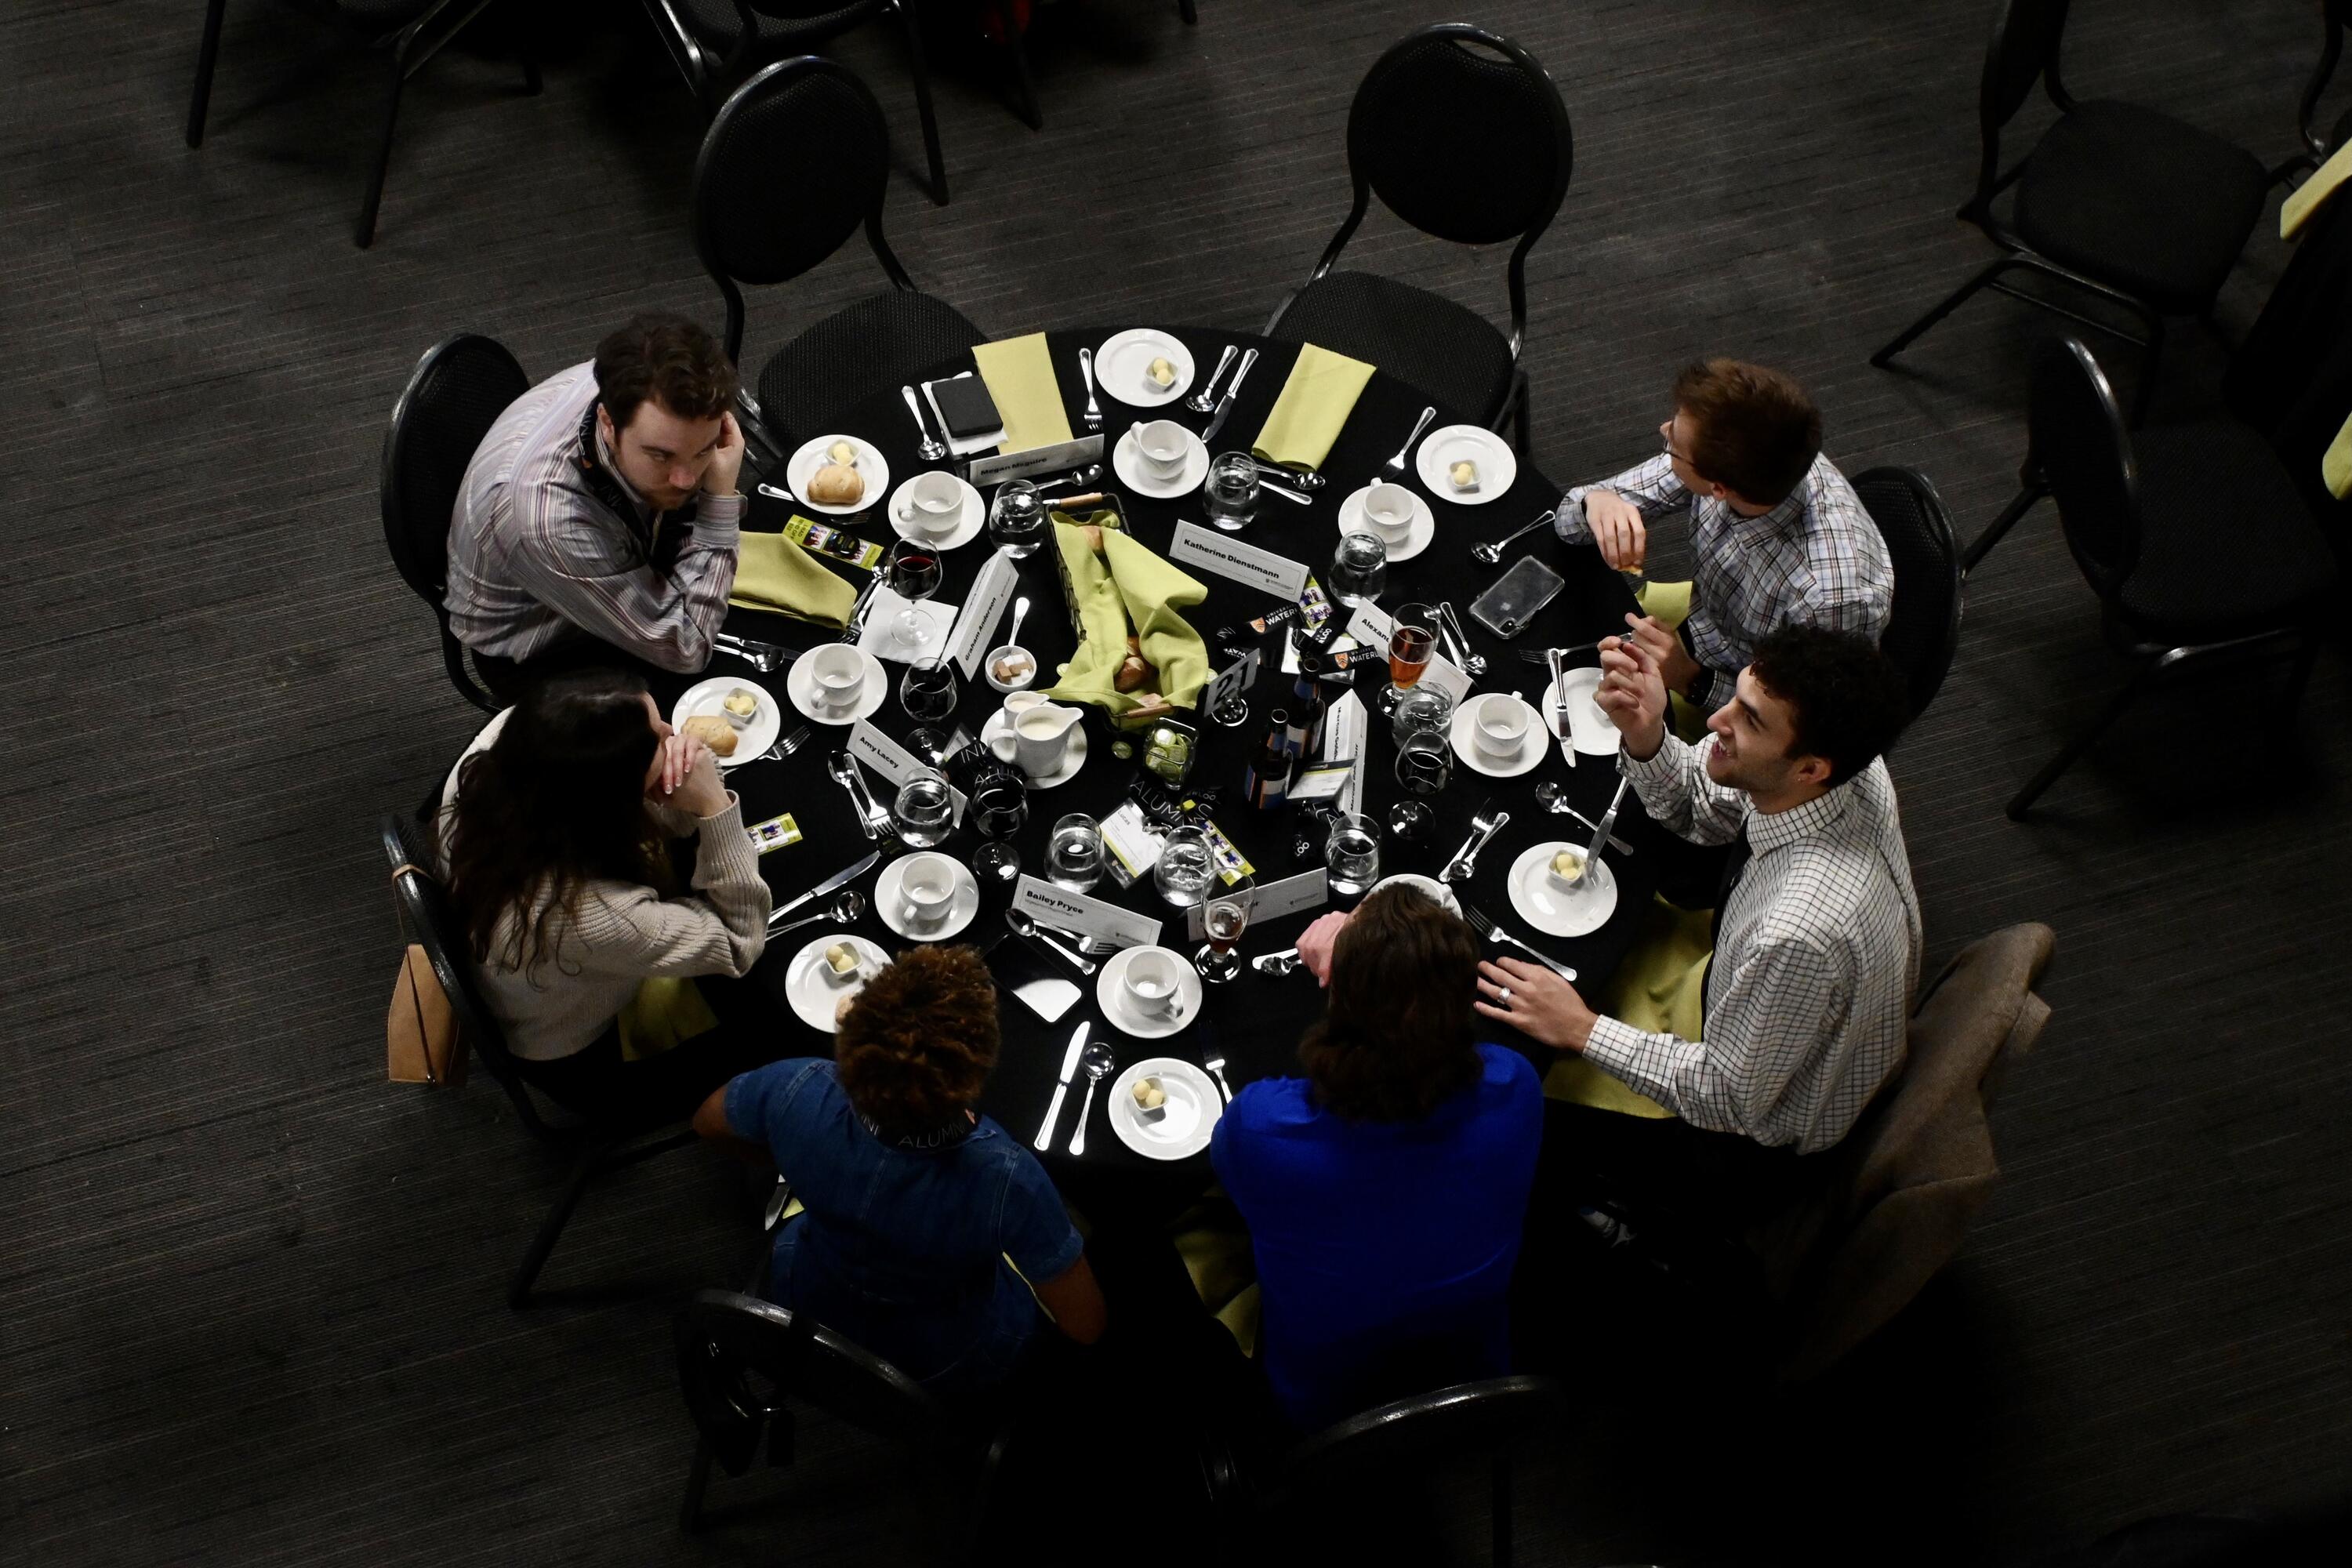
[(1410, 648), (1224, 915), (924, 812), (1017, 519), (913, 574), (928, 693), (1425, 765), (1000, 809)]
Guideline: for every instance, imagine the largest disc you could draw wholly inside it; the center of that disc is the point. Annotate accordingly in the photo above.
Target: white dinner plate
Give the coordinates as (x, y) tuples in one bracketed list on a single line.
[(800, 685), (1543, 905), (1188, 1118), (1588, 729), (891, 902), (1110, 995), (1442, 448), (969, 520), (1436, 891), (1466, 742), (1119, 365), (710, 695), (1127, 461), (1000, 727), (811, 456), (812, 988), (1418, 533)]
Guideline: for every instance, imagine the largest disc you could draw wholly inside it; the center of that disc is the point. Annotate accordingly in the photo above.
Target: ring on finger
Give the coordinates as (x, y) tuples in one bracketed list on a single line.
[(1503, 995)]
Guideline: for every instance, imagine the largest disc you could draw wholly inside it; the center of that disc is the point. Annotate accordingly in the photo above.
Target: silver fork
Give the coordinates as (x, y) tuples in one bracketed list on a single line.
[(1465, 859), (1214, 1061), (785, 747), (1086, 374), (767, 657), (1493, 932)]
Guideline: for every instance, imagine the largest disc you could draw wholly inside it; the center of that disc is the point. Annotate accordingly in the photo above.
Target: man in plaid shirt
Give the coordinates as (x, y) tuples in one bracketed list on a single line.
[(1779, 537)]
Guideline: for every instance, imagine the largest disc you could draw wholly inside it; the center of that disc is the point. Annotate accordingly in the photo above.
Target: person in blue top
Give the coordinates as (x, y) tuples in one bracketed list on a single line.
[(1384, 1191), (928, 1236)]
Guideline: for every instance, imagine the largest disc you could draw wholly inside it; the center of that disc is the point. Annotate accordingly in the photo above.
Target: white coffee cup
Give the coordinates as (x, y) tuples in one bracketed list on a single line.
[(1389, 510), (929, 883), (838, 672), (1501, 721), (1151, 982), (938, 502), (1163, 444)]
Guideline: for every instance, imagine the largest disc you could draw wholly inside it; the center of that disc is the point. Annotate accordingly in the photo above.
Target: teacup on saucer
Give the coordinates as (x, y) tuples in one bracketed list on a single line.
[(1500, 725), (837, 674), (1163, 446), (1388, 511)]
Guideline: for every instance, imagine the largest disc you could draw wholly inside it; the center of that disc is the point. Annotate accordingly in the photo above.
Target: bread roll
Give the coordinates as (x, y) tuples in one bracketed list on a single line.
[(1134, 671), (833, 485), (712, 731)]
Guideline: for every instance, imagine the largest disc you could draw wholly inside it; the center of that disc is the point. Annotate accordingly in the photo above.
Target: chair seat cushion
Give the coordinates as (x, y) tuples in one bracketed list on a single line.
[(2226, 547), (2141, 200), (1449, 352), (717, 24), (858, 353)]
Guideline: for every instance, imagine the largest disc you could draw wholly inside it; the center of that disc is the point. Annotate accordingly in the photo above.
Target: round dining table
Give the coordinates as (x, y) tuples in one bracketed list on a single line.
[(1255, 1021)]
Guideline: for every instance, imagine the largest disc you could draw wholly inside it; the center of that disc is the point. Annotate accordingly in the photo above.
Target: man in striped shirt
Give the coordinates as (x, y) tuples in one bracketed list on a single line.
[(598, 518)]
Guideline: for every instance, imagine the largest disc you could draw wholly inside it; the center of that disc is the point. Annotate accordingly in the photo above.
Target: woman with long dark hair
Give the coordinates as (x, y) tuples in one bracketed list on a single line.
[(555, 828)]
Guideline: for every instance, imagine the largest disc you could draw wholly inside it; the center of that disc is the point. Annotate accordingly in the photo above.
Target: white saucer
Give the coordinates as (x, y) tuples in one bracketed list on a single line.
[(1444, 447), (1191, 1114), (967, 522), (1110, 995), (810, 985), (1465, 743), (1542, 905), (800, 686), (706, 696), (811, 456), (1588, 729), (1417, 534), (1073, 759), (1437, 891), (1127, 461), (1119, 365), (890, 903)]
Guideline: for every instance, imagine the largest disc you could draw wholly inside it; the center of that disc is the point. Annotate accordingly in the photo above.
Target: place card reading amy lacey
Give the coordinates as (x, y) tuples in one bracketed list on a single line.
[(975, 630), (891, 760), (1245, 564), (1053, 906), (1306, 890)]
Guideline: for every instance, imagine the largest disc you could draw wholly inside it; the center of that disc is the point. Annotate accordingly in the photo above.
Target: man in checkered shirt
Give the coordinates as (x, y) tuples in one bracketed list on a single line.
[(1817, 937), (1779, 536)]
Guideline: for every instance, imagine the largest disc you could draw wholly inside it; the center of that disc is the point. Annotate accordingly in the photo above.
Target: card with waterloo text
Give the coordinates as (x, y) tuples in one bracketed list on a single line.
[(1090, 917)]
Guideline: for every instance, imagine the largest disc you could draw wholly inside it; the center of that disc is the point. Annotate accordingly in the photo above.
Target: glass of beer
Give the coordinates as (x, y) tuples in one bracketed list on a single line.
[(1410, 644), (1224, 915)]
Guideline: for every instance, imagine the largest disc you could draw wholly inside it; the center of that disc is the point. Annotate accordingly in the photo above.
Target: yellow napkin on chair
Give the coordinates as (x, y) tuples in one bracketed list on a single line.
[(1315, 404), (2336, 463), (666, 1011), (2312, 194), (1020, 376), (1128, 586), (772, 572), (1660, 988)]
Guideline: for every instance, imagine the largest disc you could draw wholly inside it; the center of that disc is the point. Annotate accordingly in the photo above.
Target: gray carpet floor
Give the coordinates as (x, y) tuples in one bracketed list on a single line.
[(251, 1297)]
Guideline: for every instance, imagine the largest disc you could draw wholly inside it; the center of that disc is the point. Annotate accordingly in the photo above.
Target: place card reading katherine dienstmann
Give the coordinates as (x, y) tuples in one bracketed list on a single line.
[(1053, 906), (1245, 564)]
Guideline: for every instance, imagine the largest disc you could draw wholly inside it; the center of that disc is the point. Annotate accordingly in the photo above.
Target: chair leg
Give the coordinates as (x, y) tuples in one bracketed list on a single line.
[(532, 84), (2027, 497), (1953, 301), (906, 9), (1024, 90), (2024, 800), (207, 56), (1524, 421), (1184, 9), (518, 1292), (1502, 1511), (363, 235), (698, 1481)]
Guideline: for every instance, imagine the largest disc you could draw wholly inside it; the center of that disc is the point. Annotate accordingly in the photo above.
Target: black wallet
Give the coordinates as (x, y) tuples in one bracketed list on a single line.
[(966, 408)]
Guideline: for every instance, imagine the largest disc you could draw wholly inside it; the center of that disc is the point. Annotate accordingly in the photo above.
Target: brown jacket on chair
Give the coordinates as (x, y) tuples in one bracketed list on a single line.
[(1915, 1171)]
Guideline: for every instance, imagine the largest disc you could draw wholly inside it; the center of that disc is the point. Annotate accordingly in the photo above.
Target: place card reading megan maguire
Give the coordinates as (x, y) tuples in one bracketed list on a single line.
[(1228, 557)]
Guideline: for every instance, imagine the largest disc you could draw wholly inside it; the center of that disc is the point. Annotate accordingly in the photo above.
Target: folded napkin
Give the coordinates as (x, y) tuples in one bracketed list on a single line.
[(1314, 403), (1659, 988), (772, 572), (2312, 194), (666, 1011), (2336, 463), (1020, 376), (1127, 585)]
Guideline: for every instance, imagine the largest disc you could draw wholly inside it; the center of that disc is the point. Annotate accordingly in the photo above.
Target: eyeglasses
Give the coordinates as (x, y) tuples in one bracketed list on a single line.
[(1667, 443)]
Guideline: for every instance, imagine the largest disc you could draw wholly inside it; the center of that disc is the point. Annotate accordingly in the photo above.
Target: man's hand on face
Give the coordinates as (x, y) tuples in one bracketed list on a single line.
[(1675, 667), (725, 460), (1617, 530), (1537, 1002), (1633, 696)]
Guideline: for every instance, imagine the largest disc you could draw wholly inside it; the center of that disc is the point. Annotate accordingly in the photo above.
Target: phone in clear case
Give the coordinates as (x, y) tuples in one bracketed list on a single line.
[(1505, 608)]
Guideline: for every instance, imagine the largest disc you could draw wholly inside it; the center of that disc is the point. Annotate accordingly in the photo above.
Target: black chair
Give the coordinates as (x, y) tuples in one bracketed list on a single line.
[(2336, 15), (2122, 203), (794, 162), (595, 1148), (1470, 1420), (2194, 537), (1923, 629), (741, 1360), (1015, 51), (410, 31), (458, 391), (743, 31), (1464, 146)]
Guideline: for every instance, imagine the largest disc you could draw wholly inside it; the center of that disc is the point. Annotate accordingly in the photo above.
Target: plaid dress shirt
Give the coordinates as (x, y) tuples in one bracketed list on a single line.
[(1815, 560), (1816, 955), (536, 556)]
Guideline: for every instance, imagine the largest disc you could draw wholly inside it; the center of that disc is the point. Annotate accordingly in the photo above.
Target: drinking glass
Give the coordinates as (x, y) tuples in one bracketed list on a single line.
[(1017, 519), (1359, 569), (928, 693), (1410, 648), (1185, 868), (1000, 808), (924, 812), (1422, 708), (1224, 916), (1232, 489), (1425, 765), (1351, 856), (1074, 855), (913, 574)]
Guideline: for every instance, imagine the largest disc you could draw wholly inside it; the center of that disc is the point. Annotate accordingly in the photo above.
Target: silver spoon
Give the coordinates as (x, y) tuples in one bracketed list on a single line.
[(848, 907), (1554, 799), (1084, 475), (1098, 1061), (1202, 402), (1022, 924), (1304, 479), (1474, 665), (931, 449), (1492, 554), (1396, 465), (1020, 608)]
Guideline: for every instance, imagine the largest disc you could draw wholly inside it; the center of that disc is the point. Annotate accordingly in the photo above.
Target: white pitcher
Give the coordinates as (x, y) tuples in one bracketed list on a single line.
[(1040, 738)]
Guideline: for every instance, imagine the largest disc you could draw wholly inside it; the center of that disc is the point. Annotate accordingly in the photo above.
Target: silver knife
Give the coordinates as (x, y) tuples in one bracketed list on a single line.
[(1069, 1071), (838, 880), (1225, 404), (1608, 820), (1561, 729)]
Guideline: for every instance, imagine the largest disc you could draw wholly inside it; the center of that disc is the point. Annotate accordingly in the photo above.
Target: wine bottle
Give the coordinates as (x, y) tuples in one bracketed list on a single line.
[(1298, 736), (1268, 779)]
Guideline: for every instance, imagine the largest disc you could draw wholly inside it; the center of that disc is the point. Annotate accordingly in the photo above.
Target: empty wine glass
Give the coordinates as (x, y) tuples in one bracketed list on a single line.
[(1425, 765), (1224, 915), (1359, 569), (1017, 519), (928, 693), (1074, 855), (924, 812), (1351, 856), (913, 574), (1410, 644), (1000, 809)]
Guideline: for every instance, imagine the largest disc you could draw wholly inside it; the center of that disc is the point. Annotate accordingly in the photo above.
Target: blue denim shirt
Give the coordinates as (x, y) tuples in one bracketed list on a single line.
[(904, 1246)]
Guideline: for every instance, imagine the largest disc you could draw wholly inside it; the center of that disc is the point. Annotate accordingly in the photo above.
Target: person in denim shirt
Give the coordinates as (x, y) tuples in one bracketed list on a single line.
[(928, 1234)]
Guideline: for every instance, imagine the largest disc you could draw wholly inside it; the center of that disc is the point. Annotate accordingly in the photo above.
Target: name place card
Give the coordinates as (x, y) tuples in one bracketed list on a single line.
[(1307, 890), (1343, 728), (891, 760), (975, 629), (1245, 564), (1053, 906), (1372, 627)]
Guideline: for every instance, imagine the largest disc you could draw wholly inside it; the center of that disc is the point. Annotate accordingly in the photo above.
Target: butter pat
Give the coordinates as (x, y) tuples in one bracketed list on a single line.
[(842, 958), (1161, 373), (1464, 475)]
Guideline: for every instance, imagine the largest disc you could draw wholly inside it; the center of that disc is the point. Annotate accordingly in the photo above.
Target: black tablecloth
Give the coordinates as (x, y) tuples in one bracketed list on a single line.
[(1255, 1019)]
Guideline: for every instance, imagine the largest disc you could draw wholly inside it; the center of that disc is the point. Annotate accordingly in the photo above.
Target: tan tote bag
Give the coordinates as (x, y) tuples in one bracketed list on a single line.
[(420, 1032)]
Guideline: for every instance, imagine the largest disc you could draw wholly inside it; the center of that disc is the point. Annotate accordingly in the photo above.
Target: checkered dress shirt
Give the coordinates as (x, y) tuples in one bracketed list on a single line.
[(1816, 955), (1815, 560)]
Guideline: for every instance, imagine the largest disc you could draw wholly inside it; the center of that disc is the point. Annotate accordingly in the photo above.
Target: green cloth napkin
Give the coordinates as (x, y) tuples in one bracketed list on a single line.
[(1127, 585), (2312, 194), (1659, 987), (1020, 376), (1314, 403), (772, 572), (667, 1010)]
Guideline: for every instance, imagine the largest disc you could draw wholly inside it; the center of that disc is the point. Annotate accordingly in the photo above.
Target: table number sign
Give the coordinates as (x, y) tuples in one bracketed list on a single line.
[(1245, 564), (1230, 683), (976, 630), (1054, 906), (1306, 890), (891, 760)]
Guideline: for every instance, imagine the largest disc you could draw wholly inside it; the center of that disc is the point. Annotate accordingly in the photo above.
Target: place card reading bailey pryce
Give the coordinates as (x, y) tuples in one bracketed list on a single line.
[(1088, 917), (1306, 890), (1247, 563)]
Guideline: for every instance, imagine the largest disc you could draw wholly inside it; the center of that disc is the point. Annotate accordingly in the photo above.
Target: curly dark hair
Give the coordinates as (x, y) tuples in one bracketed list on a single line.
[(918, 1044), (1846, 699), (1753, 430), (670, 359), (1395, 1040)]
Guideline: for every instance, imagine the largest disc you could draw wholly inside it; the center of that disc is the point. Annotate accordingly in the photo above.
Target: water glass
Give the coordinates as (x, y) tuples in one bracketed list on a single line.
[(1425, 765), (924, 812), (1074, 855), (1359, 569), (1017, 519), (1000, 809), (1232, 490), (1351, 856), (1224, 917), (1185, 868), (1424, 707), (928, 693)]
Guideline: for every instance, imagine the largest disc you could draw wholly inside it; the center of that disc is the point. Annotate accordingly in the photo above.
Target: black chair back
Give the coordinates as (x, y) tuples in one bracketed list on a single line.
[(794, 162), (2023, 50), (2076, 436), (1924, 628), (2336, 15), (725, 1340), (1469, 1418)]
